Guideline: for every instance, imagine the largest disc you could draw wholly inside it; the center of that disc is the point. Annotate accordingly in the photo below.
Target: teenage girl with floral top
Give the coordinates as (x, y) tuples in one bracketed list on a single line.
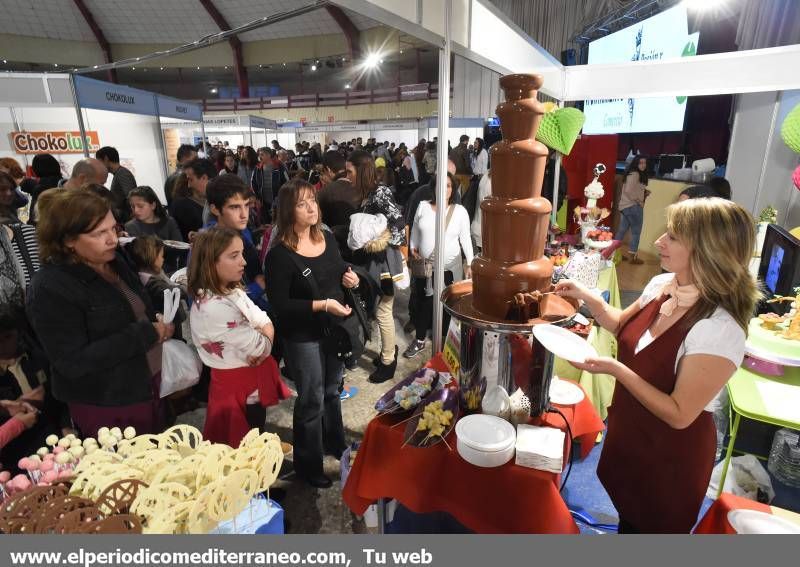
[(233, 337)]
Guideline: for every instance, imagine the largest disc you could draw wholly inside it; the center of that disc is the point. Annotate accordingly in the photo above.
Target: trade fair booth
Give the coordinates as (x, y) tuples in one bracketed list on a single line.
[(240, 130)]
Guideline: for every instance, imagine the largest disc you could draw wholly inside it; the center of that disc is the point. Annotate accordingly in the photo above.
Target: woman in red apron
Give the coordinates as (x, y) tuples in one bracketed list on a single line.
[(678, 346)]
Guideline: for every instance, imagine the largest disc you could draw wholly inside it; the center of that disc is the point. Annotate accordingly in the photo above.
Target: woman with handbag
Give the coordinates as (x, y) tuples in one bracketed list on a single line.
[(423, 240), (97, 326), (305, 279)]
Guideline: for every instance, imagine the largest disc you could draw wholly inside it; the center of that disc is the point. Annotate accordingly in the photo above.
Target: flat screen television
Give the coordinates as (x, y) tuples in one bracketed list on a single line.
[(663, 36), (779, 270)]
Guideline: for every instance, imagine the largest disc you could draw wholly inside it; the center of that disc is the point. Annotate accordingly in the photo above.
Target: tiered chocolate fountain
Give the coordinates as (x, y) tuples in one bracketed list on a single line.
[(511, 277)]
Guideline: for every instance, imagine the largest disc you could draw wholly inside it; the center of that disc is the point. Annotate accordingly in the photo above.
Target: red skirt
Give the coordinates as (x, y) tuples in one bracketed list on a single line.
[(226, 418)]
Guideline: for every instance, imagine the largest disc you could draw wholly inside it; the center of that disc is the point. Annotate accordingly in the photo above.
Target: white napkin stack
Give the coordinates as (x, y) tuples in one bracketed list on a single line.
[(540, 448)]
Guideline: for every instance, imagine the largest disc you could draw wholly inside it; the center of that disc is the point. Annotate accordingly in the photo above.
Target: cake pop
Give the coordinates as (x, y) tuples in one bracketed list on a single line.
[(5, 476), (64, 443), (77, 452), (58, 449), (91, 449), (47, 466), (64, 458), (129, 432), (102, 431), (76, 443), (50, 476), (52, 440), (42, 451), (117, 433)]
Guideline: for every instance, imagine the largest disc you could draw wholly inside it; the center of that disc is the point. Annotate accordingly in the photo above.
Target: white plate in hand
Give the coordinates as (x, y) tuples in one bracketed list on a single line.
[(754, 522), (564, 392), (563, 343)]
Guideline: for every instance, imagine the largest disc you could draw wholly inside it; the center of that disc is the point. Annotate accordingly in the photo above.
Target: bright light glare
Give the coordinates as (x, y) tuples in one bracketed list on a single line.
[(703, 5), (372, 60), (313, 67)]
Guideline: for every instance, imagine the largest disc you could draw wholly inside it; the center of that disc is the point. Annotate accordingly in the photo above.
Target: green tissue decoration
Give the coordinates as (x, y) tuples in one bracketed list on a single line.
[(559, 129), (790, 130)]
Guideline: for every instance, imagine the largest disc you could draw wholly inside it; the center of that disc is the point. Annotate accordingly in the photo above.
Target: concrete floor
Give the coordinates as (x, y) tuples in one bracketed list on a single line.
[(309, 510)]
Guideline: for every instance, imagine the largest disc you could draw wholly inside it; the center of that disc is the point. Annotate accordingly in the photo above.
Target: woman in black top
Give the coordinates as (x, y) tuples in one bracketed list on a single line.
[(95, 322), (305, 251)]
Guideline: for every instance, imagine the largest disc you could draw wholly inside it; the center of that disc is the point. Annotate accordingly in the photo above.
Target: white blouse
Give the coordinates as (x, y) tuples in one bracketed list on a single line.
[(480, 162), (225, 330), (718, 335), (456, 238)]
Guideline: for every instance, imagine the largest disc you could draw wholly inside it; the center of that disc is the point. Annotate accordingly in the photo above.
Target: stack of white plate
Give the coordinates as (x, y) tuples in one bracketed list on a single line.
[(540, 448), (485, 440)]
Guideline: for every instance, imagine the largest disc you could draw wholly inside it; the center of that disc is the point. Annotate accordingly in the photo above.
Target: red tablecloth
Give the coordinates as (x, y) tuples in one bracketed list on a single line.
[(507, 499), (716, 519)]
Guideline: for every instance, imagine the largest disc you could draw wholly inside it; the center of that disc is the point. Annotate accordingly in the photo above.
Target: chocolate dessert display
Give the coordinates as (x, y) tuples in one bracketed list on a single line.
[(511, 289)]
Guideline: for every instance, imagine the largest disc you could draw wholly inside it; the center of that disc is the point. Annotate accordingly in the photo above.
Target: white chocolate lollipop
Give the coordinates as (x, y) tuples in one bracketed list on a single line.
[(117, 433), (89, 441), (42, 451), (64, 443), (102, 431), (76, 443), (91, 448), (129, 432), (70, 436), (77, 452), (64, 458), (52, 440)]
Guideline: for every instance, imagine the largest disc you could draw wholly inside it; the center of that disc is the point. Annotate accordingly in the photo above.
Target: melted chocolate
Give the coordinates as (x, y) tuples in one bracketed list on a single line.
[(515, 218)]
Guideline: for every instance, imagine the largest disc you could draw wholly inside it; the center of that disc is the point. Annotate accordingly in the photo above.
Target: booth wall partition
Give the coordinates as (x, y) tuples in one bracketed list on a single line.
[(457, 127), (43, 107)]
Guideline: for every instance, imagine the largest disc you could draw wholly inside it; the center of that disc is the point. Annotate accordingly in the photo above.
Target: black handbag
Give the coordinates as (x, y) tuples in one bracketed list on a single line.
[(344, 336)]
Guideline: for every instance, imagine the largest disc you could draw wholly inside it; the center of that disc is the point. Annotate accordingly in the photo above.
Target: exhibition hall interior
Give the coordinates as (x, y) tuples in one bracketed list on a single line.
[(400, 267)]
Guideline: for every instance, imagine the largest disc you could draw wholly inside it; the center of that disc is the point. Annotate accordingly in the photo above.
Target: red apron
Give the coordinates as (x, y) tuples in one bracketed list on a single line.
[(226, 417), (655, 475)]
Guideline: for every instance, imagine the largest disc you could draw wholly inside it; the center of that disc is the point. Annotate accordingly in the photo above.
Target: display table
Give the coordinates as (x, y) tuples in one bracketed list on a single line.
[(598, 387), (761, 398), (716, 519), (507, 499)]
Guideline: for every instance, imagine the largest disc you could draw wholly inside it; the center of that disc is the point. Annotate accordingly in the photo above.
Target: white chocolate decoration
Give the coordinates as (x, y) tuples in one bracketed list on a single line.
[(102, 431), (63, 458), (42, 451), (91, 449), (77, 452), (129, 433), (52, 440), (117, 433), (64, 443), (76, 443)]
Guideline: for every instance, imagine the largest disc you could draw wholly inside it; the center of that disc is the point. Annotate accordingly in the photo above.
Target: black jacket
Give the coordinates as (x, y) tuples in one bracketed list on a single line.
[(96, 347)]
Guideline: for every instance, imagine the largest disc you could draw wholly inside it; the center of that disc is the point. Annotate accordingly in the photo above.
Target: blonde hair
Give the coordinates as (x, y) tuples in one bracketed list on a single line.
[(206, 250), (720, 236)]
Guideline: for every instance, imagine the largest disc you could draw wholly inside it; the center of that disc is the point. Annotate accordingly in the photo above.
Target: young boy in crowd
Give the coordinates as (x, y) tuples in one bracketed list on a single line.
[(228, 200)]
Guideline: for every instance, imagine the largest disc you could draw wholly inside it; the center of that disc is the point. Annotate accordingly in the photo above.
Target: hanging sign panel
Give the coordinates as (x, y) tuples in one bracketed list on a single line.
[(100, 95), (53, 142), (174, 108)]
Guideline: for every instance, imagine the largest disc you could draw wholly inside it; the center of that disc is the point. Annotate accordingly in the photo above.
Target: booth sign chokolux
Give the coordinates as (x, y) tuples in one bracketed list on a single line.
[(54, 142)]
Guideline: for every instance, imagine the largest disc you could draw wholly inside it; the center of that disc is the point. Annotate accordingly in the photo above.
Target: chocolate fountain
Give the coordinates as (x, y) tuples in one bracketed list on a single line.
[(508, 294)]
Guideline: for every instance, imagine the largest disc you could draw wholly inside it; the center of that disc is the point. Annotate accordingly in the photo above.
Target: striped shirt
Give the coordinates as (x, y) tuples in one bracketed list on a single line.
[(30, 262)]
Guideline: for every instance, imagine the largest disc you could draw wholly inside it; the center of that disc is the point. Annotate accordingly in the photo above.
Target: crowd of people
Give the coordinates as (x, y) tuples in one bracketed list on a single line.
[(269, 249)]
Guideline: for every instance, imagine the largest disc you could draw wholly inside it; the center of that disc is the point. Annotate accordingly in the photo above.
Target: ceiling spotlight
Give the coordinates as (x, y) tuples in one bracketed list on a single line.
[(4, 61), (401, 52), (347, 86), (226, 67), (313, 67), (260, 66), (372, 60), (198, 68), (214, 90), (55, 64), (344, 59), (96, 66), (284, 64), (162, 68), (133, 68)]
